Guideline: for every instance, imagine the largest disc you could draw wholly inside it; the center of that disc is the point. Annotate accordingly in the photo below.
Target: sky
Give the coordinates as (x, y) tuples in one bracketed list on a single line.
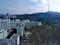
[(28, 6)]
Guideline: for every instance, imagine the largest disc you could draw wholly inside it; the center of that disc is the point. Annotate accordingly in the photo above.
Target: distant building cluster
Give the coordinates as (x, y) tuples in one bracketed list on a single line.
[(6, 26)]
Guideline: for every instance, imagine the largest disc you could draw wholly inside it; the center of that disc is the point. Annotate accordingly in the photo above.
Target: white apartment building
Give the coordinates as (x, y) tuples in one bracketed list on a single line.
[(7, 25)]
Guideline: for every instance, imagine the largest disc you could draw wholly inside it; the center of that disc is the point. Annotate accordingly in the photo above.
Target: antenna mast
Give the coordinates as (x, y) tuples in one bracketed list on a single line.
[(48, 7)]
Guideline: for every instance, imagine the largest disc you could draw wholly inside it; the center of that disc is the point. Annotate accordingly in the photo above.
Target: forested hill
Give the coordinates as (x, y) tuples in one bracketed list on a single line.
[(49, 17)]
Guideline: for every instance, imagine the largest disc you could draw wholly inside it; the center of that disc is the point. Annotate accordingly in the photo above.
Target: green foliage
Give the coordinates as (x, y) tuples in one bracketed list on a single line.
[(45, 32)]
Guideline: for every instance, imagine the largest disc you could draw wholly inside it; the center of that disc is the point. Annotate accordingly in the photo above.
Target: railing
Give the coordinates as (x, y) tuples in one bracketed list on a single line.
[(3, 34), (11, 41), (3, 25)]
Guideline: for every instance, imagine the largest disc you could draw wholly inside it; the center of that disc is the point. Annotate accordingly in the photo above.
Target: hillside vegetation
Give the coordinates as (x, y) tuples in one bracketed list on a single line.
[(41, 35)]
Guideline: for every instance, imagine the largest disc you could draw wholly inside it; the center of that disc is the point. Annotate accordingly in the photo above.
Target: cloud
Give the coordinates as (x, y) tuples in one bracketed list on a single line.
[(41, 1), (28, 10), (34, 1), (13, 10), (39, 5), (44, 1), (33, 6)]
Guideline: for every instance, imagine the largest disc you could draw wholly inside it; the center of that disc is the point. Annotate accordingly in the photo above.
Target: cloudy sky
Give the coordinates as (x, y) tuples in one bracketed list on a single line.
[(28, 6)]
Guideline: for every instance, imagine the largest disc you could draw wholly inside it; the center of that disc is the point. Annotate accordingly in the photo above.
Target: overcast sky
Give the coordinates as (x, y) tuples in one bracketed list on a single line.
[(28, 6)]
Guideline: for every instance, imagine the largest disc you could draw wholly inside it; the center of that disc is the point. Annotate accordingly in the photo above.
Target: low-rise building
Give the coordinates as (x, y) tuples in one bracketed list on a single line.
[(33, 23)]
